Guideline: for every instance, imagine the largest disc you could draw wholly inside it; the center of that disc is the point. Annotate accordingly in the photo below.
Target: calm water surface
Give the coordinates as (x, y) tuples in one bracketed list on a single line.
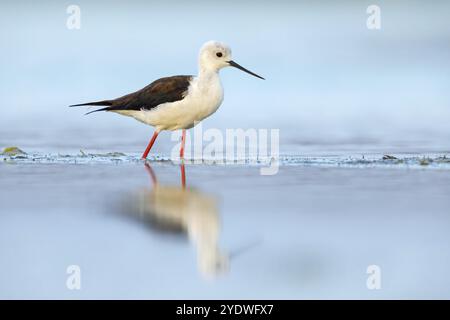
[(307, 232)]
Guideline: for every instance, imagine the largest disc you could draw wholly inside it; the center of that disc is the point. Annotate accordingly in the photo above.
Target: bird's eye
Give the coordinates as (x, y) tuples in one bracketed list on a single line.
[(219, 54)]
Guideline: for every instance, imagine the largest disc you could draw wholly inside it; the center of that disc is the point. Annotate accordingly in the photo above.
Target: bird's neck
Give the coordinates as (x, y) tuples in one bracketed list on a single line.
[(207, 75)]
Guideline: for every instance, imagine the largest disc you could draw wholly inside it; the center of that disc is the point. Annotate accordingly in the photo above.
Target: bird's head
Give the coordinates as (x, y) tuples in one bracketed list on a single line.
[(216, 55)]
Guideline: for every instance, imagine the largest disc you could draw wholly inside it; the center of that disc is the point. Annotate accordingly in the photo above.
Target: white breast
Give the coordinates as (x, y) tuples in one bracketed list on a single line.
[(205, 94)]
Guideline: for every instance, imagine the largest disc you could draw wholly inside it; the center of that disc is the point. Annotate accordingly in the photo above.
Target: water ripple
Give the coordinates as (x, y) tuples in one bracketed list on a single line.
[(374, 160)]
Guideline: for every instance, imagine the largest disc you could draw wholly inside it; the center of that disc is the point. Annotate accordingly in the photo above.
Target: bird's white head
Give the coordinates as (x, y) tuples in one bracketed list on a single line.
[(216, 55)]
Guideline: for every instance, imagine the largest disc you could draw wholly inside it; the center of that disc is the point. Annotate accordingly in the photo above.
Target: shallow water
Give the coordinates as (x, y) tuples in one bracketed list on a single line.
[(403, 160), (307, 232)]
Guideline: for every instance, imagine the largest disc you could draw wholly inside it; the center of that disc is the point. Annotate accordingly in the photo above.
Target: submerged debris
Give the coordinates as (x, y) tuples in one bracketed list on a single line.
[(425, 161), (102, 155), (443, 159), (109, 154), (12, 151), (389, 157)]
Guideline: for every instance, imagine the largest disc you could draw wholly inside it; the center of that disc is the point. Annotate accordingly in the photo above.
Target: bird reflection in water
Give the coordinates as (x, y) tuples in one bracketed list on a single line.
[(185, 209)]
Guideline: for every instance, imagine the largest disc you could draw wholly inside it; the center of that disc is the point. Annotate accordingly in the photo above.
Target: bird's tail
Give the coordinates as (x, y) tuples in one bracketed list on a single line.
[(107, 103)]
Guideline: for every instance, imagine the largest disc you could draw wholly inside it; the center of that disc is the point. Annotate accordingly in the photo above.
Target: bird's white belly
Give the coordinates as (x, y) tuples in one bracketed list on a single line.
[(183, 114)]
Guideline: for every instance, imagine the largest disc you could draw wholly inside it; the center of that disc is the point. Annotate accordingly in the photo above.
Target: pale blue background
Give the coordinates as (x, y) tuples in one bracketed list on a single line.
[(329, 78)]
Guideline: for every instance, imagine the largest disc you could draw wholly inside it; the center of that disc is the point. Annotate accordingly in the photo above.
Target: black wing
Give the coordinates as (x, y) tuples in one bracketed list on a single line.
[(169, 89)]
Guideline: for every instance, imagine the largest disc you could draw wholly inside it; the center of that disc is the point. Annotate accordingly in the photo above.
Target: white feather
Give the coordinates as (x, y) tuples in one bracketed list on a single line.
[(204, 96)]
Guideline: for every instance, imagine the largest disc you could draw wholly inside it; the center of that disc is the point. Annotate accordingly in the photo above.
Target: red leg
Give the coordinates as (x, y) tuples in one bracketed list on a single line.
[(183, 176), (183, 140), (150, 144)]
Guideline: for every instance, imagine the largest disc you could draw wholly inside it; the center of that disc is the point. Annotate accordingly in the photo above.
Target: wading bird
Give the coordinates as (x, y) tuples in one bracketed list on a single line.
[(178, 102)]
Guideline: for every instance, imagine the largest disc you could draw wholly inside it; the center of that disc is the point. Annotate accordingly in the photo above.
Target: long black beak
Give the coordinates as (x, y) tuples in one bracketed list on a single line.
[(234, 64)]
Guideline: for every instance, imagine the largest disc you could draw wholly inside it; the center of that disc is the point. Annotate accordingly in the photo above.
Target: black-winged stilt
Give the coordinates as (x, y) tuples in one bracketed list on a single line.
[(177, 102)]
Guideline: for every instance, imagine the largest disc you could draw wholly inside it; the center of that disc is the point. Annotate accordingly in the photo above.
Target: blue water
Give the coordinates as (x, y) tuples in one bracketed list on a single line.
[(307, 232), (341, 95)]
